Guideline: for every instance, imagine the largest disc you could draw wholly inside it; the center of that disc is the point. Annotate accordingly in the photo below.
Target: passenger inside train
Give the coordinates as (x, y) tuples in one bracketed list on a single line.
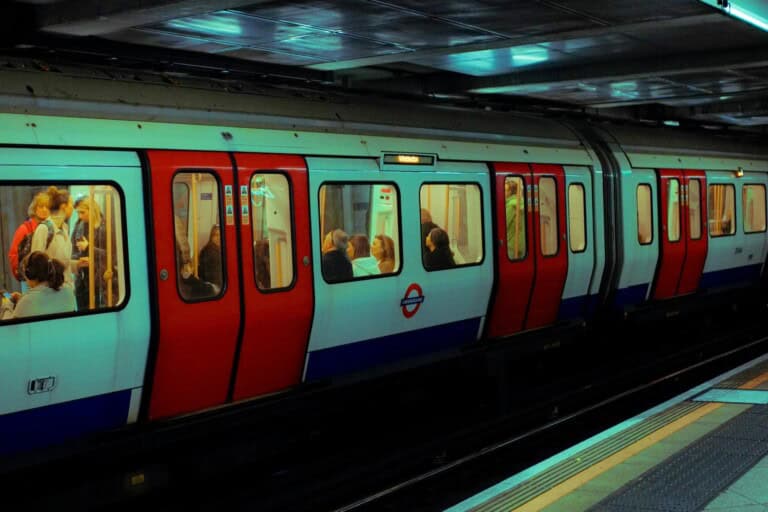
[(48, 292), (44, 224), (440, 255), (359, 252)]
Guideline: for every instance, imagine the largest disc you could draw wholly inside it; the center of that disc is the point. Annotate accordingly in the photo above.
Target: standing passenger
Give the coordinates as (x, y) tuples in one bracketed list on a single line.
[(60, 247), (38, 211), (89, 211), (359, 251)]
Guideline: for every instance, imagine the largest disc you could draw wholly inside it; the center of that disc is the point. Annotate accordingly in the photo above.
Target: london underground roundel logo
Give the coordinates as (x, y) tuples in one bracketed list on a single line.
[(411, 303)]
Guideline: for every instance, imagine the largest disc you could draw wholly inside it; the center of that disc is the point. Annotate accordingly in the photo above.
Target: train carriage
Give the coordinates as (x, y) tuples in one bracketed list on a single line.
[(224, 227)]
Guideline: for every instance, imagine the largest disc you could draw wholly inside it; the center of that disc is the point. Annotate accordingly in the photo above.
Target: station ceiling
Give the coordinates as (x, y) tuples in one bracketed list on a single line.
[(679, 61)]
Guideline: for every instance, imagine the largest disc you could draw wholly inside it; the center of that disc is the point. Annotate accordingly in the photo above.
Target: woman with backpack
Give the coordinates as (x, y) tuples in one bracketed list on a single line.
[(57, 246), (38, 211)]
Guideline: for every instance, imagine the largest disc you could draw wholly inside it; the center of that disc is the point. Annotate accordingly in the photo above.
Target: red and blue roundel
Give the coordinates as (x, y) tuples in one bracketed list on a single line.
[(411, 303)]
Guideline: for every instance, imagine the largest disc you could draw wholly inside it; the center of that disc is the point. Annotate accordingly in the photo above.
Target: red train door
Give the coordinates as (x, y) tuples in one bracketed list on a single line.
[(198, 321), (672, 220), (695, 215), (514, 250), (549, 245), (277, 274)]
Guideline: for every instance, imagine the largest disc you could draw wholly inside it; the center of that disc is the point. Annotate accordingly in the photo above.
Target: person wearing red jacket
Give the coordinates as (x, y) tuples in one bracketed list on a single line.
[(38, 211)]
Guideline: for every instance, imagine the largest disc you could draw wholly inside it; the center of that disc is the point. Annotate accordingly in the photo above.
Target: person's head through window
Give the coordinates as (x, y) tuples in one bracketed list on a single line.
[(383, 249), (437, 239), (41, 269), (440, 255), (425, 215), (39, 208), (61, 205), (358, 247), (214, 238)]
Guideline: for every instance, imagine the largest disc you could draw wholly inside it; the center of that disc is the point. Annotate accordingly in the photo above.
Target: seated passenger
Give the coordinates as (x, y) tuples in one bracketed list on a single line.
[(261, 259), (383, 249), (335, 264), (363, 264), (440, 256), (426, 226), (210, 268), (48, 293)]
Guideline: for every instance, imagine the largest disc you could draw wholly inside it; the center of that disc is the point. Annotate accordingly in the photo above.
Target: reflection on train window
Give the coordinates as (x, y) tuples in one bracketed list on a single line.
[(272, 233), (644, 214), (673, 210), (360, 227), (548, 216), (64, 247), (694, 209), (197, 228), (514, 200), (451, 225), (577, 224), (721, 204), (753, 205)]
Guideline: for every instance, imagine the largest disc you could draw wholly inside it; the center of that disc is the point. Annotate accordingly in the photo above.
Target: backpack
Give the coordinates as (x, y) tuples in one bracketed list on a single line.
[(25, 246)]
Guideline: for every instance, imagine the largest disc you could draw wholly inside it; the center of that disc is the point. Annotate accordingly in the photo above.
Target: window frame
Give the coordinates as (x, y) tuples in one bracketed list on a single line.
[(584, 210), (650, 210), (525, 216), (225, 276), (744, 213), (294, 279), (557, 216), (399, 225), (126, 260), (709, 210)]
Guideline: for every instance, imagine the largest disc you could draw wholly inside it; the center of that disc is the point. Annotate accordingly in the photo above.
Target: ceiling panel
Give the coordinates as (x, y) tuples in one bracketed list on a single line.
[(369, 20), (634, 11)]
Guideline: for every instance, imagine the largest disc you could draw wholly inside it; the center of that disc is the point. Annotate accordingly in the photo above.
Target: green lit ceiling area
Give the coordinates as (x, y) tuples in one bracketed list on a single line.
[(700, 60)]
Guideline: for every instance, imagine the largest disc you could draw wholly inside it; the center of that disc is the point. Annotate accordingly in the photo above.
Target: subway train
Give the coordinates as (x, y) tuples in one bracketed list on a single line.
[(228, 246)]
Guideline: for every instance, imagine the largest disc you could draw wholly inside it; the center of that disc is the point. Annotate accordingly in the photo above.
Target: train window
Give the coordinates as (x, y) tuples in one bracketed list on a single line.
[(644, 214), (65, 250), (577, 224), (721, 205), (673, 210), (197, 228), (451, 225), (514, 198), (694, 208), (753, 205), (360, 226), (272, 232), (548, 216)]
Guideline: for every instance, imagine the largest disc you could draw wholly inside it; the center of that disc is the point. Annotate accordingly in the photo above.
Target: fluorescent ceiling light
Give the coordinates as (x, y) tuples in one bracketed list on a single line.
[(754, 12)]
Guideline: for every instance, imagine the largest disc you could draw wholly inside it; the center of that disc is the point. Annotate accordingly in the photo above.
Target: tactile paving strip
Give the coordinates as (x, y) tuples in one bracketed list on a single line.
[(693, 477), (526, 491)]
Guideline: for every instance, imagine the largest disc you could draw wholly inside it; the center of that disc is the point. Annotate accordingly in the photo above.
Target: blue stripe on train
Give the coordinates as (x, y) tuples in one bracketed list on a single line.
[(749, 274), (630, 296), (52, 424), (577, 307), (389, 349)]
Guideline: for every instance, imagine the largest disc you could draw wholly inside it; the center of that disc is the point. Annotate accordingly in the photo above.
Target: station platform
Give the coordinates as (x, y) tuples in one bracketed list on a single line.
[(706, 449)]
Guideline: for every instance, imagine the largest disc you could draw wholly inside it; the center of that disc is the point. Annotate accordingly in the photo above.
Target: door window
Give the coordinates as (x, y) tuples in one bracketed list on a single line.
[(673, 210), (272, 231), (514, 201), (694, 208), (198, 237), (548, 216), (644, 214), (577, 224)]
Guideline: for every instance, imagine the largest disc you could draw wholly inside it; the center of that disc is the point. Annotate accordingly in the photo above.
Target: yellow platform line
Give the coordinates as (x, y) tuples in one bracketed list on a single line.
[(576, 481), (752, 384)]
